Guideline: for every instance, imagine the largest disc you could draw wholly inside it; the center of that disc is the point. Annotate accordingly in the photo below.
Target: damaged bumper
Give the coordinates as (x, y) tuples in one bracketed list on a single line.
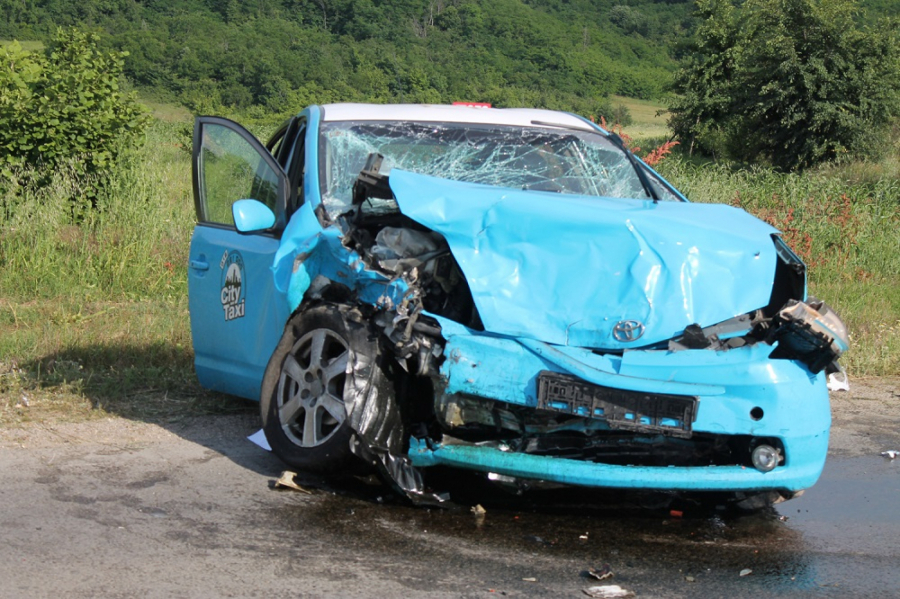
[(588, 474), (739, 398)]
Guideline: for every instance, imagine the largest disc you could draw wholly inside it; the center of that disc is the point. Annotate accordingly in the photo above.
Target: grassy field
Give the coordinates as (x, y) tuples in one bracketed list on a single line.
[(30, 46), (649, 118), (93, 314)]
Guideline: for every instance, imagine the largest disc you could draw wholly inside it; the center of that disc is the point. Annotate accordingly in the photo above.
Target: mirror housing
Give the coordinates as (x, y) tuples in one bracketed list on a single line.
[(252, 215)]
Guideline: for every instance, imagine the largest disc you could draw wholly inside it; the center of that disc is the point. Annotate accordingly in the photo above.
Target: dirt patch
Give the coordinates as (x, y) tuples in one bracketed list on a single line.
[(866, 419)]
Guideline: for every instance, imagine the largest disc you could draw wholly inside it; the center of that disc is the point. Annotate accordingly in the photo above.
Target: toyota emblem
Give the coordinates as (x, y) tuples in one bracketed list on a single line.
[(628, 330)]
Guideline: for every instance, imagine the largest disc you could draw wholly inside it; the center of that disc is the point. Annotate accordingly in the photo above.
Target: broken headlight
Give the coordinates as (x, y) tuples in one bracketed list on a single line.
[(811, 332)]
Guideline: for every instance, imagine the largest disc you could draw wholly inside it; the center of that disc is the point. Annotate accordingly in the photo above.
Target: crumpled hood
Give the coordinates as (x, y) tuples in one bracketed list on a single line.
[(565, 269)]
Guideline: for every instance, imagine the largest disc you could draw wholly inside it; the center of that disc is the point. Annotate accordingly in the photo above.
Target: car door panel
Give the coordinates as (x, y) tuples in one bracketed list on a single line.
[(236, 318), (236, 315)]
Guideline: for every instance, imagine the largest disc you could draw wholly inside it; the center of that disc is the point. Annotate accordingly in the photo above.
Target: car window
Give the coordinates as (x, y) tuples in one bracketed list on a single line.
[(532, 158), (233, 170)]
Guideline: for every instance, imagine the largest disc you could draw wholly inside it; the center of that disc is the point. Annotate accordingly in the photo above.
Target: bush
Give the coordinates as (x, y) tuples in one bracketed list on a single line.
[(65, 107), (790, 82)]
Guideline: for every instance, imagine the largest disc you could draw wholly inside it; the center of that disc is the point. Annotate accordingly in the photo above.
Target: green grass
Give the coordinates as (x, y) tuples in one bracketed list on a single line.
[(28, 46), (166, 112), (648, 118), (93, 312)]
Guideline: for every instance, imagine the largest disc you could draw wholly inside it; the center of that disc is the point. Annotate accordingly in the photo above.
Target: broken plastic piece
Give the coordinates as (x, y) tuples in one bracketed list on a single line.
[(286, 481), (838, 381), (890, 454), (746, 572), (608, 591), (601, 573), (479, 513)]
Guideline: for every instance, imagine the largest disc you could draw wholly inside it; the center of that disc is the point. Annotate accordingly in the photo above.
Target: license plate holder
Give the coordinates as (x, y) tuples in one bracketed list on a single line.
[(655, 413)]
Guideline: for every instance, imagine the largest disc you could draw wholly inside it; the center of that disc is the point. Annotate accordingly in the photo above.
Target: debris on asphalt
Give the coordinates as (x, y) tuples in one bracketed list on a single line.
[(746, 572), (537, 539), (608, 591), (583, 537), (530, 579), (838, 381), (890, 454), (601, 573), (259, 438), (479, 512), (689, 579), (676, 513), (286, 481)]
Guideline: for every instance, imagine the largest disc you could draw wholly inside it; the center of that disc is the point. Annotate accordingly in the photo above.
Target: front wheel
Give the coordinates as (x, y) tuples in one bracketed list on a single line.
[(302, 403)]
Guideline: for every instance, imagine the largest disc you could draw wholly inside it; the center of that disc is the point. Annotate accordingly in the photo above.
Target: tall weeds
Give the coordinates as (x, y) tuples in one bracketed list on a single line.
[(128, 241)]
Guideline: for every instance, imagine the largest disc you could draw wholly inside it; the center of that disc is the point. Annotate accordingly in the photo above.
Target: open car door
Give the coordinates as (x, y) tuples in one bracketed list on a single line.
[(236, 320)]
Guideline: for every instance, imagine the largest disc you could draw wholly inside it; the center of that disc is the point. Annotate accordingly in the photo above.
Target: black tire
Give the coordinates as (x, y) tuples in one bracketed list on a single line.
[(302, 406)]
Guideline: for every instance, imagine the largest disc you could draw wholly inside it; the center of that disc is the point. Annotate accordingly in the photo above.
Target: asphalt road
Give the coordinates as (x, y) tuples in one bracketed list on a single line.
[(116, 508)]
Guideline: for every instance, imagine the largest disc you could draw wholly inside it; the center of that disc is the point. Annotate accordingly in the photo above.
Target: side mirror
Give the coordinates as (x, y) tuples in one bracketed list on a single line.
[(252, 215)]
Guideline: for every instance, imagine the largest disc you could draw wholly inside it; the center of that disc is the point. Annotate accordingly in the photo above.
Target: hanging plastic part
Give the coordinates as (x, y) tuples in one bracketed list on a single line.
[(375, 416)]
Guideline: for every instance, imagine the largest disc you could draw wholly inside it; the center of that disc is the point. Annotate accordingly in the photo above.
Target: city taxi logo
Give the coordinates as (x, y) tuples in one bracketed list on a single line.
[(233, 289)]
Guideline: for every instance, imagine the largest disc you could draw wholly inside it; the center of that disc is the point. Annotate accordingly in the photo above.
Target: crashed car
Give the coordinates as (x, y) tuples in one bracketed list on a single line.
[(508, 291)]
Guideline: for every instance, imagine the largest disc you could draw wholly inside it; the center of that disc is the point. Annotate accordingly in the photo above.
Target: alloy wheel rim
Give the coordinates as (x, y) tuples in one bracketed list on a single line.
[(311, 388)]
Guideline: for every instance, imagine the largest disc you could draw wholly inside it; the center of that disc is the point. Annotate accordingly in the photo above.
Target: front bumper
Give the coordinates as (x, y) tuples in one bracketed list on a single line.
[(741, 391)]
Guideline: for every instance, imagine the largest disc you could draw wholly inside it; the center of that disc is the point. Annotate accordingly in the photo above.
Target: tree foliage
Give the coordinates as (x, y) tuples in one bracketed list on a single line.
[(64, 104), (280, 54), (791, 82)]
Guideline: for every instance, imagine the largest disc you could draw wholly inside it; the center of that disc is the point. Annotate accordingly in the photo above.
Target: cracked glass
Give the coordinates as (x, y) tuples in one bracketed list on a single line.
[(530, 158)]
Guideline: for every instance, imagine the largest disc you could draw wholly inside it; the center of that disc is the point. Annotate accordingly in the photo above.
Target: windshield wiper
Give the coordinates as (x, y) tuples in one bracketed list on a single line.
[(642, 175)]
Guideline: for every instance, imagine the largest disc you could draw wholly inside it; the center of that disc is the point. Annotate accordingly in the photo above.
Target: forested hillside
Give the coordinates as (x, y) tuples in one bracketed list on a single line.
[(554, 53)]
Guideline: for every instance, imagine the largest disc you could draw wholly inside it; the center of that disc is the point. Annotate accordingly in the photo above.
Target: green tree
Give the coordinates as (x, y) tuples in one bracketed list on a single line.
[(790, 82), (65, 105)]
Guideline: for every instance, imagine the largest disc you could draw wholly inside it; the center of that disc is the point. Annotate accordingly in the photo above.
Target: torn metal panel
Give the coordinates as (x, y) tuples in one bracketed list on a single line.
[(374, 413), (567, 270)]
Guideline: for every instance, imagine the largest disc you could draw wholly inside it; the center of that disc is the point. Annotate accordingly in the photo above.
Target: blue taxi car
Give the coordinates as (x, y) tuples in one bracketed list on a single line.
[(509, 291)]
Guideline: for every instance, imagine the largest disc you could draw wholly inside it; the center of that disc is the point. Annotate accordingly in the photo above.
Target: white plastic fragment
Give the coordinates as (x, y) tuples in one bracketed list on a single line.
[(608, 591), (890, 454), (746, 572), (259, 438), (838, 381)]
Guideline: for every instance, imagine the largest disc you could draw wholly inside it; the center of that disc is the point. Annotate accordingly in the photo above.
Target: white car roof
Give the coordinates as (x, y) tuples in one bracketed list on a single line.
[(434, 113)]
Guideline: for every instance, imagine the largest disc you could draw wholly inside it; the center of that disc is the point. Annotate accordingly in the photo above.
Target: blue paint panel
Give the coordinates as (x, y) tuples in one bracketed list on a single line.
[(565, 269), (230, 354)]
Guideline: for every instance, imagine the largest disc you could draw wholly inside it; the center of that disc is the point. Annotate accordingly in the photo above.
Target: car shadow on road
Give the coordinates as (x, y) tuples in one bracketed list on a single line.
[(157, 385)]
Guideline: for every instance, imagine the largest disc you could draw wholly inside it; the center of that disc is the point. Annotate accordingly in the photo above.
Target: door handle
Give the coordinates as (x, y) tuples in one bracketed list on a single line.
[(199, 264)]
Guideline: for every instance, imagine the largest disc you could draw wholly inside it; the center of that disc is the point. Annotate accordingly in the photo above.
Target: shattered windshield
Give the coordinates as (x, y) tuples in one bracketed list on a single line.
[(531, 158)]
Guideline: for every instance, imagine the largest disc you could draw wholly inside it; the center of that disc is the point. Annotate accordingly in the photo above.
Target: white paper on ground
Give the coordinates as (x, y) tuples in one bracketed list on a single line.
[(259, 438)]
